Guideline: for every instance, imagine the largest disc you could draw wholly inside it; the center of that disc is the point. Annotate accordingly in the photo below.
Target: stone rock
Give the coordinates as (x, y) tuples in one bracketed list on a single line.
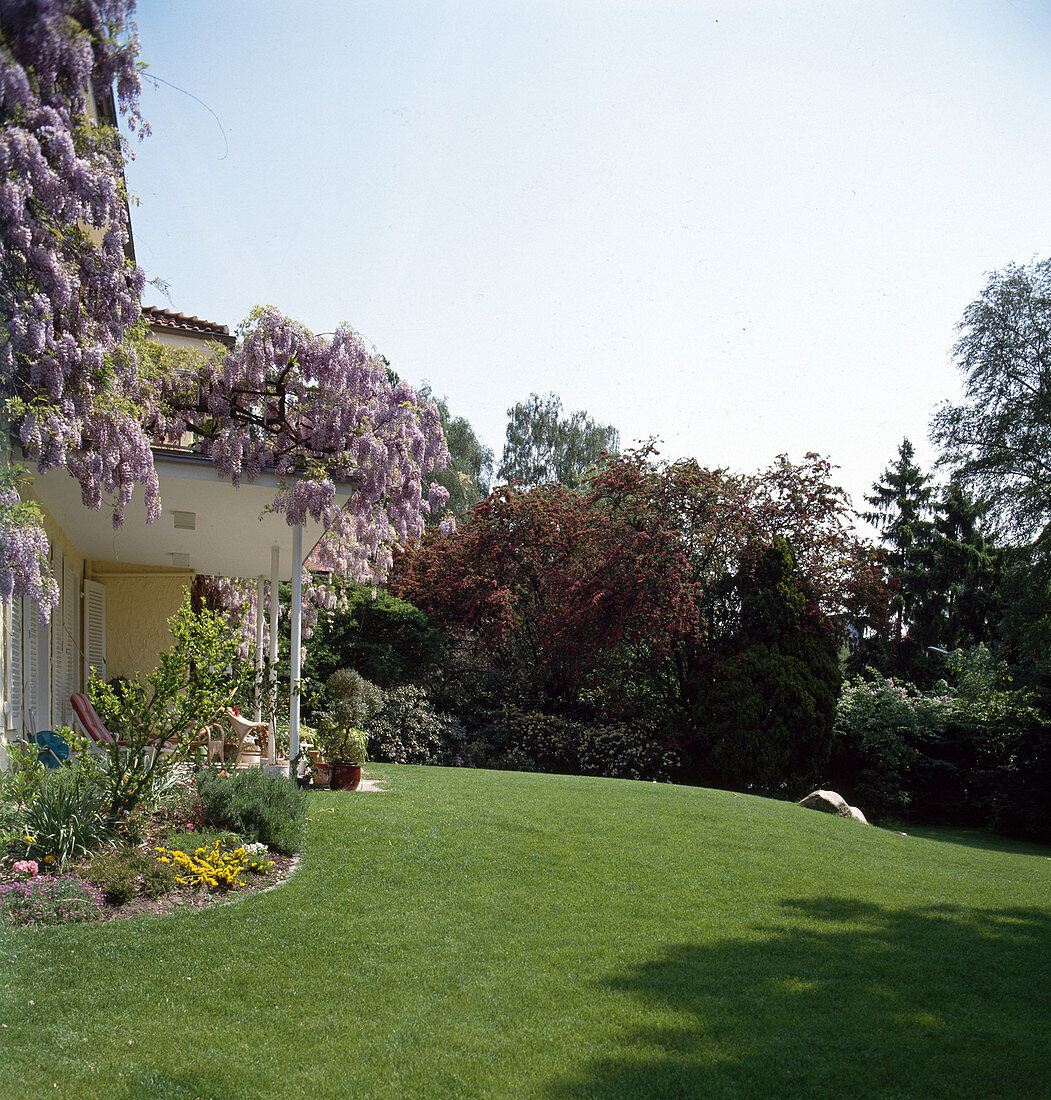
[(827, 801), (831, 803)]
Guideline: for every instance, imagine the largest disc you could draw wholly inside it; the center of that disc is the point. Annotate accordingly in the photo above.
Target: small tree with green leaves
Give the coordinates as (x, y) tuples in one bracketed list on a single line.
[(352, 701), (159, 719)]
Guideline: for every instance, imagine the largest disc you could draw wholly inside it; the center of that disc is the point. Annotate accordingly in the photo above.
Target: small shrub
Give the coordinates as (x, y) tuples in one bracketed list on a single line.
[(50, 900), (190, 841), (255, 805), (125, 873), (211, 868), (517, 740)]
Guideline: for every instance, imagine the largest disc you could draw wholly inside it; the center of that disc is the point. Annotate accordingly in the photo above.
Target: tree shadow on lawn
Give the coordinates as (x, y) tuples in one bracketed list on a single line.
[(845, 996), (187, 1085), (975, 838)]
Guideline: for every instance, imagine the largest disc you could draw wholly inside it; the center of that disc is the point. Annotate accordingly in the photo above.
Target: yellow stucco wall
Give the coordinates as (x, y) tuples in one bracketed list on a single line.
[(56, 536), (139, 601)]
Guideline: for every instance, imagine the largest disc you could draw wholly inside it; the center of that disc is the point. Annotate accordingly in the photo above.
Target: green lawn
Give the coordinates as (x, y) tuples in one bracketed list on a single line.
[(474, 934)]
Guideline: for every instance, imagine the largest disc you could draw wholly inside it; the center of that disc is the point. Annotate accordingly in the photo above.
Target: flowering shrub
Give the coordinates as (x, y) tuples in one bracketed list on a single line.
[(50, 900), (946, 754), (410, 731), (209, 867)]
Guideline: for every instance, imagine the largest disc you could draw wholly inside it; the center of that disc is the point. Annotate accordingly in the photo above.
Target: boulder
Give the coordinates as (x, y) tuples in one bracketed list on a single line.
[(857, 815), (827, 801)]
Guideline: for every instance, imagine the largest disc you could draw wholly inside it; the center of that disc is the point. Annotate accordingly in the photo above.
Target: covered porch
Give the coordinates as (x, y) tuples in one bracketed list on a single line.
[(131, 578)]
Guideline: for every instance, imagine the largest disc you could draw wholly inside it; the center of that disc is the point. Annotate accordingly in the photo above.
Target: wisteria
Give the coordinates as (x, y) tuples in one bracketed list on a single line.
[(349, 448), (23, 547), (69, 293)]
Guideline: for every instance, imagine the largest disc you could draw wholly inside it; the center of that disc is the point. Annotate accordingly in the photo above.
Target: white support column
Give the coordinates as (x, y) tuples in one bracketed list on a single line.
[(260, 581), (295, 650), (275, 581)]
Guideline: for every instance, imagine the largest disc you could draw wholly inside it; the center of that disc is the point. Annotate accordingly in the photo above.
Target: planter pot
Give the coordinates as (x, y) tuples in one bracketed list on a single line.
[(322, 772), (345, 777)]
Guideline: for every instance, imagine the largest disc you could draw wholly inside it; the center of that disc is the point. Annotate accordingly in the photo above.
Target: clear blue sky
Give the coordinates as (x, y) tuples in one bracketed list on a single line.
[(744, 228)]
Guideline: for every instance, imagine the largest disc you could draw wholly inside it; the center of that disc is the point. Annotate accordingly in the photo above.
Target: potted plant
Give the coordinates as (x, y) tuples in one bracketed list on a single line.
[(341, 741)]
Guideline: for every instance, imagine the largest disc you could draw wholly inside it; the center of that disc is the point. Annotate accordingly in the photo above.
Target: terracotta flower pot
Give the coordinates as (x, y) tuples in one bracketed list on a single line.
[(345, 777)]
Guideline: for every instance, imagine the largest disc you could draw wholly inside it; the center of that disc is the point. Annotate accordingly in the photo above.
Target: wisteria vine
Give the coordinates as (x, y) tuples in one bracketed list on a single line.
[(69, 292), (349, 448)]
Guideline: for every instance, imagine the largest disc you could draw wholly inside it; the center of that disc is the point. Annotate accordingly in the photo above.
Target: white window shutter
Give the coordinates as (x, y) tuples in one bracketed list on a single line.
[(14, 664), (30, 652), (53, 696), (94, 630), (70, 640)]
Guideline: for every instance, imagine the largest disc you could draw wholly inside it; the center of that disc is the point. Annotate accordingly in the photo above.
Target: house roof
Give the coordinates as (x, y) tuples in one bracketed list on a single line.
[(166, 320)]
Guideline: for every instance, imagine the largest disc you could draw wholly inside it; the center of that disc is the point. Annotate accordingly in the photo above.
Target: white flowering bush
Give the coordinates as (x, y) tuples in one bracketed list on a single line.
[(941, 754)]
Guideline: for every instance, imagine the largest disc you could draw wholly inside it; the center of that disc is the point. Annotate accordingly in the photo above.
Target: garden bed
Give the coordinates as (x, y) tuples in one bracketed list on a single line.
[(195, 898)]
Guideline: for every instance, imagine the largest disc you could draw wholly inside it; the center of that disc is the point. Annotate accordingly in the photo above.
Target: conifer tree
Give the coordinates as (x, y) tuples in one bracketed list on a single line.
[(901, 502)]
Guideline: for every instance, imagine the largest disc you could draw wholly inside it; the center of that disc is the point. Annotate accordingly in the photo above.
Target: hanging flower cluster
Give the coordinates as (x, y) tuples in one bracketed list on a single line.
[(68, 292), (349, 447)]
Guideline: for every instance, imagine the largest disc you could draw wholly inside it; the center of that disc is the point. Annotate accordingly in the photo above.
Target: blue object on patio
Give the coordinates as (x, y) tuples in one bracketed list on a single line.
[(53, 748)]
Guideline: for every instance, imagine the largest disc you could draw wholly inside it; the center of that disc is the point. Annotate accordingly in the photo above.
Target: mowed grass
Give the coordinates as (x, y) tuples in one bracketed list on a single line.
[(476, 934)]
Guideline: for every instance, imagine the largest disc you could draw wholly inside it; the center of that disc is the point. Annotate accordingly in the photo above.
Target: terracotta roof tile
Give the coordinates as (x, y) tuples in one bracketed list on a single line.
[(191, 326)]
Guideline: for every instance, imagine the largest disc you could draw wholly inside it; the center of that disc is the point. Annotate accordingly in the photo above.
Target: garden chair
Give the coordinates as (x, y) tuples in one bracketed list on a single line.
[(243, 729), (99, 737), (53, 751)]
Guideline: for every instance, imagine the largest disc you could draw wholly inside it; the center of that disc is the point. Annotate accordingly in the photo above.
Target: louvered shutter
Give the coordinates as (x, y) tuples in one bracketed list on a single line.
[(94, 630), (70, 641), (14, 664), (30, 662), (52, 676)]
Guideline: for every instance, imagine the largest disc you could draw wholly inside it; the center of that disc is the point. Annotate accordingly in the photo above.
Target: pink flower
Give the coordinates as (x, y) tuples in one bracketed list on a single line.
[(26, 867)]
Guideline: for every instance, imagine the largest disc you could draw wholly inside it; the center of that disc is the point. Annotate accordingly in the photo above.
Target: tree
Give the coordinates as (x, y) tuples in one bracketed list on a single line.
[(467, 476), (83, 388), (541, 447), (961, 601), (633, 597), (998, 439), (767, 723), (902, 503)]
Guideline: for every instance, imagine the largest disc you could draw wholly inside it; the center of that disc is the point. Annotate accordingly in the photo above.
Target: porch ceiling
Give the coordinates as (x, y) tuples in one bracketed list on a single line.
[(232, 534)]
